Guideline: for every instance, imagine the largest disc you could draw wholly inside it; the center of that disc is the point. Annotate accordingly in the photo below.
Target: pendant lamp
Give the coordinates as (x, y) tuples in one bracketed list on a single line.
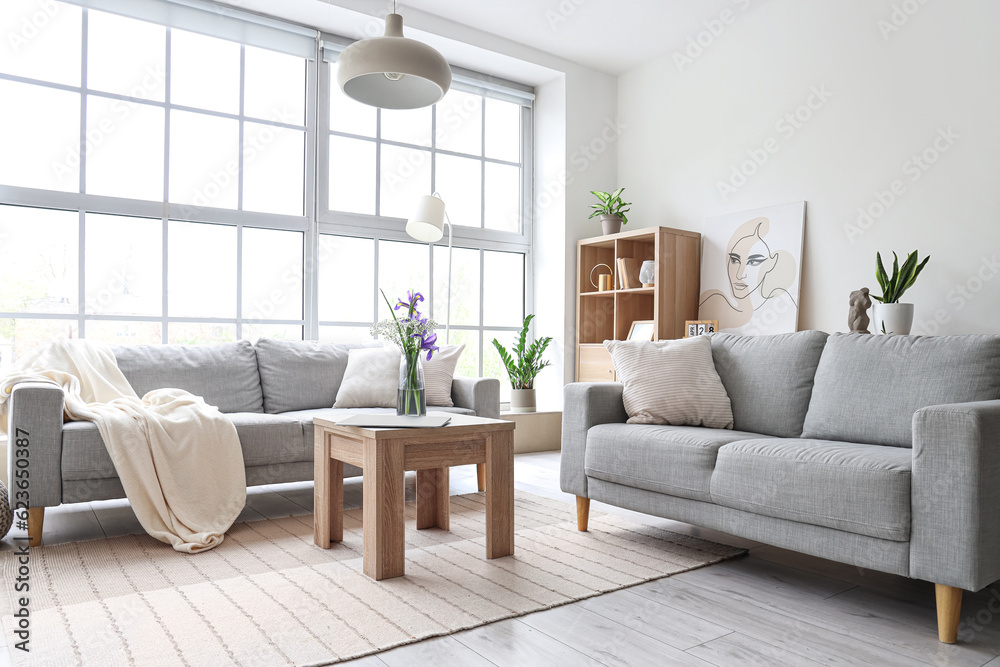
[(393, 72)]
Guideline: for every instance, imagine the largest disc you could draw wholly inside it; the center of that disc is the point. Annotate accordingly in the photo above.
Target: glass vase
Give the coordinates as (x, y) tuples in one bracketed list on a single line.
[(411, 399)]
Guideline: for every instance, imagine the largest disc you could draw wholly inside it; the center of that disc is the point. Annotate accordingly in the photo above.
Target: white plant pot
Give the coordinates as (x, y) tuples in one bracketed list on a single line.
[(522, 400), (893, 318)]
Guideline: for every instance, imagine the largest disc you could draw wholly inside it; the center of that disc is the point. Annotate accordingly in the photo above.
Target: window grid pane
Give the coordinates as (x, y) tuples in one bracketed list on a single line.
[(124, 279)]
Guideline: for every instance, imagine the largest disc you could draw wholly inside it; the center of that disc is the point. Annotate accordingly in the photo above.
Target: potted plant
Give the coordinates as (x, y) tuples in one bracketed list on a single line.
[(522, 367), (611, 209), (892, 317)]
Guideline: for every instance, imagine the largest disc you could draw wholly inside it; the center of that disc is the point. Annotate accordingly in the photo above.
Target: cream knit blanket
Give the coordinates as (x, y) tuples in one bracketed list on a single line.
[(178, 458)]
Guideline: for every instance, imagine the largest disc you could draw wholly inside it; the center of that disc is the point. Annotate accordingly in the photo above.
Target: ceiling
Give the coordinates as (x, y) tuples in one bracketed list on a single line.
[(611, 36)]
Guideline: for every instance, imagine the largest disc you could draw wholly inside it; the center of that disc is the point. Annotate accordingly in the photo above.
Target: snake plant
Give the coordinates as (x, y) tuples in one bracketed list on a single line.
[(902, 278)]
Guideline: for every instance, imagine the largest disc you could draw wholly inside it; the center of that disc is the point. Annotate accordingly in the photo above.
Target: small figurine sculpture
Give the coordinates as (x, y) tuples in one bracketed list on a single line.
[(857, 319)]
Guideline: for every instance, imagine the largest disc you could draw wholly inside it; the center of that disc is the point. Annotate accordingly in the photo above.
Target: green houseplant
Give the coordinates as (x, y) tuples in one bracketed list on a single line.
[(523, 362), (891, 316), (611, 209)]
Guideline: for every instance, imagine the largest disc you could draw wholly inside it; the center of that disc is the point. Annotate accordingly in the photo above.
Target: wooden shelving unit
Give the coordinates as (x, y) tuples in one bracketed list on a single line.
[(608, 315)]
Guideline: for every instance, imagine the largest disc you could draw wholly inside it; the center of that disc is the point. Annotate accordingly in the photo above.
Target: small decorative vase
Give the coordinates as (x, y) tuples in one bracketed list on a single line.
[(893, 318), (411, 399), (647, 273), (611, 224), (522, 400)]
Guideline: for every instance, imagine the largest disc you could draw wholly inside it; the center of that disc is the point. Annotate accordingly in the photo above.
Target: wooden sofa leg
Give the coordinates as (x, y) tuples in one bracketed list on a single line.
[(949, 608), (582, 513), (36, 518), (481, 475)]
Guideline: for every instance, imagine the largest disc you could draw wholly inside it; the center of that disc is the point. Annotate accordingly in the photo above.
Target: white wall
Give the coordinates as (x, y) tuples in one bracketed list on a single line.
[(891, 92), (568, 164)]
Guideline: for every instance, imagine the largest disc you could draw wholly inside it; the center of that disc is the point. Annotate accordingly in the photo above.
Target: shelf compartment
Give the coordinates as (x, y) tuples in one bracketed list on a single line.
[(597, 318), (631, 307)]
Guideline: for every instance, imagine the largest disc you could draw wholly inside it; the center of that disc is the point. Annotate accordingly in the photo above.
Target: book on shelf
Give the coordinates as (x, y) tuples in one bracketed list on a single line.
[(630, 272)]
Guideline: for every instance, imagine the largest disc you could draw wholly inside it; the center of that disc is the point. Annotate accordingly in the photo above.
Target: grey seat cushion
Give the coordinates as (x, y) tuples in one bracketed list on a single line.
[(301, 375), (305, 417), (868, 387), (677, 460), (858, 488), (769, 379), (224, 375), (265, 440)]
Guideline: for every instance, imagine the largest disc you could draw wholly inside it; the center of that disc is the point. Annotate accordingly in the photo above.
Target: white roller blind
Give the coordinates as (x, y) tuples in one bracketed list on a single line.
[(216, 21)]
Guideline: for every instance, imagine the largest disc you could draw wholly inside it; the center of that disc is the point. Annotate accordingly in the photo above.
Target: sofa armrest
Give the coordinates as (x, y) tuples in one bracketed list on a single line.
[(585, 404), (481, 395), (955, 538), (36, 408)]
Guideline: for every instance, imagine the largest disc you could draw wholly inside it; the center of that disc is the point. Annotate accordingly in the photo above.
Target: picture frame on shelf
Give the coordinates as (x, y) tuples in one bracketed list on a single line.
[(694, 328), (641, 330)]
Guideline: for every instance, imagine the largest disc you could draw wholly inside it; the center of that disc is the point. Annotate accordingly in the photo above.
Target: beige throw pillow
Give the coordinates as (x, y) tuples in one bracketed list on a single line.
[(671, 382), (371, 379), (439, 373)]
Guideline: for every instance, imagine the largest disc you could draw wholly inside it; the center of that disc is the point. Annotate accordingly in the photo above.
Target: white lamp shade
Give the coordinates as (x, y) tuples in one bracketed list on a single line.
[(427, 222), (393, 72)]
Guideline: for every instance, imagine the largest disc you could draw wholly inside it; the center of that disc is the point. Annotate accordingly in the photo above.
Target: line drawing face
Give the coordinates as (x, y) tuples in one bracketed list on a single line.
[(759, 278)]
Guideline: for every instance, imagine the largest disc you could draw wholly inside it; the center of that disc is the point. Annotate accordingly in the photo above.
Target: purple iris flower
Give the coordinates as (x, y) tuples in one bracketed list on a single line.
[(427, 343)]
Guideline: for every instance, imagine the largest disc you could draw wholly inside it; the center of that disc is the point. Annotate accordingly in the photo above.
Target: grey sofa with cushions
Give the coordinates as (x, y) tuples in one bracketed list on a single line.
[(271, 391), (877, 451)]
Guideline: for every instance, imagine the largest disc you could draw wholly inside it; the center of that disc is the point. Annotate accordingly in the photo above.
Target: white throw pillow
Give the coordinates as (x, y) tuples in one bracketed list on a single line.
[(439, 373), (371, 379), (671, 382)]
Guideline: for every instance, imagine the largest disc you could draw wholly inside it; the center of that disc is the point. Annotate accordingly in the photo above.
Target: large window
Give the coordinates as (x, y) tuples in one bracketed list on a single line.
[(469, 149), (159, 184)]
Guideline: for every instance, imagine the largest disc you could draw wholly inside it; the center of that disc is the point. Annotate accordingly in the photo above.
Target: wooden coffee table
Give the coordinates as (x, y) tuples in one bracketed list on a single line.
[(385, 454)]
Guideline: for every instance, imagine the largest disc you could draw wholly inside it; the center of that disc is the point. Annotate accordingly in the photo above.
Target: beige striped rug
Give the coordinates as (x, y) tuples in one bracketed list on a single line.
[(268, 596)]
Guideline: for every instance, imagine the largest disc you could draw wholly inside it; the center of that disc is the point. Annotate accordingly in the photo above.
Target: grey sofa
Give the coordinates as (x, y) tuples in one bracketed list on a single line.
[(271, 391), (877, 451)]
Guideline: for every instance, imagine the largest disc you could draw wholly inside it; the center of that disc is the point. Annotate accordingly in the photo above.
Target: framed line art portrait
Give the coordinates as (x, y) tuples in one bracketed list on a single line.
[(641, 330), (750, 269)]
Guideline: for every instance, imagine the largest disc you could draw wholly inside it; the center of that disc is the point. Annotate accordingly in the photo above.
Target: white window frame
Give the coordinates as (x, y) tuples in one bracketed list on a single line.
[(253, 30), (190, 14), (387, 228)]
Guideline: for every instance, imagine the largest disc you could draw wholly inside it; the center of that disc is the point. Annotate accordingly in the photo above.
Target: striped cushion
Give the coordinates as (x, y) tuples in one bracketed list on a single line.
[(438, 375), (671, 382)]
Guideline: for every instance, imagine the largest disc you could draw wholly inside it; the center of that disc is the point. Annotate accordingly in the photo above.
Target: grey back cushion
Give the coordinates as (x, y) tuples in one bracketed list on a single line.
[(769, 379), (869, 386), (301, 375), (224, 375)]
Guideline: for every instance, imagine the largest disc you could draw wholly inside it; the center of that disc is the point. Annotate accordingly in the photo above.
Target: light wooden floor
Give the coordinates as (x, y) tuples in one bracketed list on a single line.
[(774, 607)]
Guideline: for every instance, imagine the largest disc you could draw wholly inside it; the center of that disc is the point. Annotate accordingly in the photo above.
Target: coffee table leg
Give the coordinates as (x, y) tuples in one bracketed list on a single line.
[(383, 529), (433, 501), (500, 494), (328, 493)]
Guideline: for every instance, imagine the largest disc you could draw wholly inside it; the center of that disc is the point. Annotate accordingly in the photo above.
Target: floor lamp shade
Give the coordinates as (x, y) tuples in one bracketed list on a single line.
[(393, 72), (427, 222)]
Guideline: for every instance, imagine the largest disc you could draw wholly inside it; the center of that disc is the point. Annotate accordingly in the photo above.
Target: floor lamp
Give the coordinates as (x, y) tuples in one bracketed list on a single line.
[(427, 225)]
